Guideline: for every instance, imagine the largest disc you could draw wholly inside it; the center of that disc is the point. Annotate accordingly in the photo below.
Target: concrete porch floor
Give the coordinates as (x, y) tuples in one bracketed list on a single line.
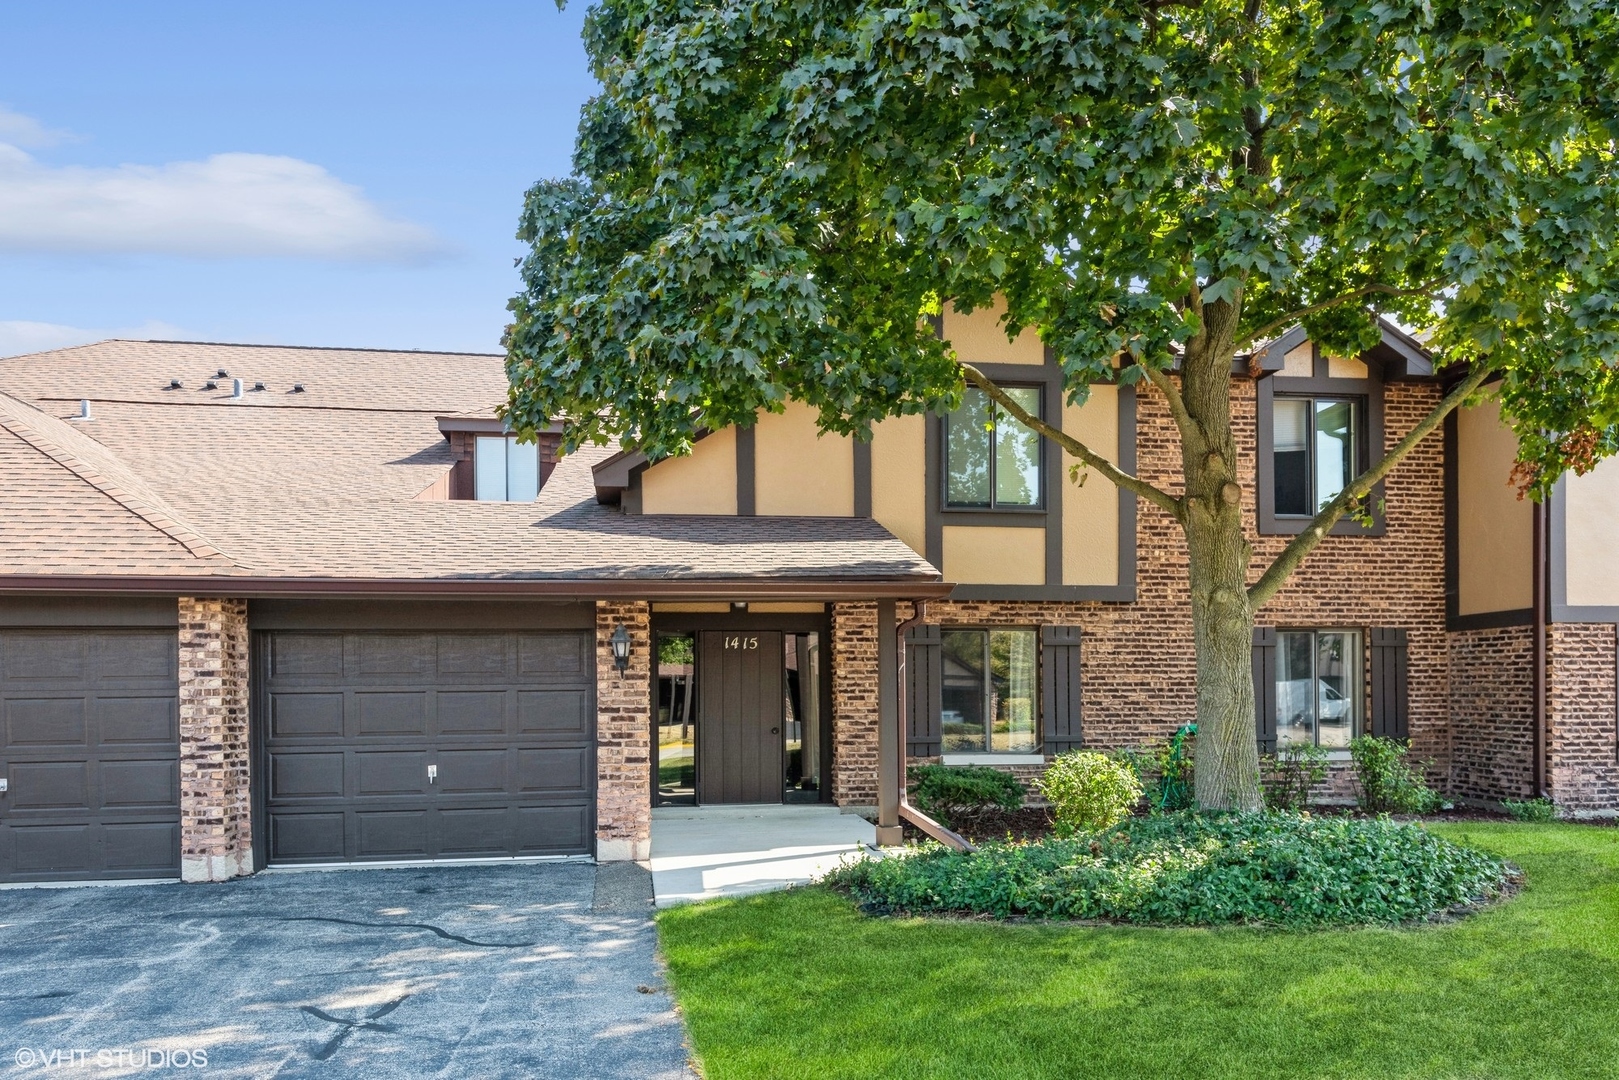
[(703, 852)]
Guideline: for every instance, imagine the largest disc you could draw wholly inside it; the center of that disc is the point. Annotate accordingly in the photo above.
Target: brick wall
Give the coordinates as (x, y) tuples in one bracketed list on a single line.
[(216, 820), (623, 735), (854, 704), (1581, 717), (1136, 659), (1492, 713)]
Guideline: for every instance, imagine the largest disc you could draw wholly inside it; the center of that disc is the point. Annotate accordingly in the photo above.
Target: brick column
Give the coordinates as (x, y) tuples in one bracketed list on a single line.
[(216, 816), (855, 716), (624, 735), (1580, 692)]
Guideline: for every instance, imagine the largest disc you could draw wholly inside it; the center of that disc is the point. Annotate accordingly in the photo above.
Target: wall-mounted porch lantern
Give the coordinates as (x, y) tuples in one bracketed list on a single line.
[(621, 648)]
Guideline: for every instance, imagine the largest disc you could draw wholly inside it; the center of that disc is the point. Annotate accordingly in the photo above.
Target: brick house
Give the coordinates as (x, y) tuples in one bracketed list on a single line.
[(272, 606)]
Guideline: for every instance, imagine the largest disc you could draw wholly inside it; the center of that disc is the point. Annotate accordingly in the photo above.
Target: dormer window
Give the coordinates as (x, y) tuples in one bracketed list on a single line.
[(505, 470)]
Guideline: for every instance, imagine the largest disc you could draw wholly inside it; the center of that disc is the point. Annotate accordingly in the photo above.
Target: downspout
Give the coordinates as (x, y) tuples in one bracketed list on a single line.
[(1539, 617), (906, 810)]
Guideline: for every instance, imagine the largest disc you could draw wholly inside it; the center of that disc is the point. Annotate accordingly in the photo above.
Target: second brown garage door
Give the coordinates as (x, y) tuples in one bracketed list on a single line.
[(399, 746)]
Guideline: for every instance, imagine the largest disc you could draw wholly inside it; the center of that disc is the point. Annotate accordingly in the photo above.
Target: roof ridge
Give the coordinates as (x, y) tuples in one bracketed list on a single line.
[(304, 348), (127, 491)]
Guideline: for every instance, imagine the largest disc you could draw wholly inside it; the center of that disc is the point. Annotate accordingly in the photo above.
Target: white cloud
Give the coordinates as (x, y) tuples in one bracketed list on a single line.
[(20, 130), (18, 336), (227, 206)]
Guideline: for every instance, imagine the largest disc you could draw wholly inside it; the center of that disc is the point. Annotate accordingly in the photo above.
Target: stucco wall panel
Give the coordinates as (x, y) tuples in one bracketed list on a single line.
[(702, 482), (1495, 533), (797, 470)]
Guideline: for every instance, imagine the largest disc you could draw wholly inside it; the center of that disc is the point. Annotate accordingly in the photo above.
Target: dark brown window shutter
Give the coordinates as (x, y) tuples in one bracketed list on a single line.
[(1391, 702), (1061, 702), (1265, 687), (924, 688)]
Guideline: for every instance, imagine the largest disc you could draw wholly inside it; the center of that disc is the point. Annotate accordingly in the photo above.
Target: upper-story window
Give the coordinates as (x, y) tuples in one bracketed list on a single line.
[(505, 470), (1317, 453), (993, 461)]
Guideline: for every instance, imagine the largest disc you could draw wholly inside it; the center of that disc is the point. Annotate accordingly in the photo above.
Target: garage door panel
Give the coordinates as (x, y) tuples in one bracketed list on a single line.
[(385, 772), (553, 830), (89, 746), (306, 715), (392, 713), (306, 776), (472, 712), (136, 721), (392, 834), (55, 721), (506, 720), (142, 847), (478, 832), (474, 654), (307, 837), (553, 770), (394, 654), (65, 851), (553, 712), (553, 656), (306, 655), (50, 785), (472, 771), (33, 657), (130, 660), (140, 784)]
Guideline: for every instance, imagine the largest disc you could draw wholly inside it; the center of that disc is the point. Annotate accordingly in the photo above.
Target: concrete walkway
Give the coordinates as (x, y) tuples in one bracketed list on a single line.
[(703, 852)]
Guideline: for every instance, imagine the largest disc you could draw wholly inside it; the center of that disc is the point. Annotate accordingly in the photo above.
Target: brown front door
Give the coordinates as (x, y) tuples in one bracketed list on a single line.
[(739, 741)]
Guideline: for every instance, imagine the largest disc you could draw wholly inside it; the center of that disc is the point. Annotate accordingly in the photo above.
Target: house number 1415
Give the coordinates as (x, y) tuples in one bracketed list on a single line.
[(743, 643)]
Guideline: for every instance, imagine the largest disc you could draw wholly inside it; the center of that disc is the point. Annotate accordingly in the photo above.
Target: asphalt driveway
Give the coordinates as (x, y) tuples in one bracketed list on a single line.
[(524, 970)]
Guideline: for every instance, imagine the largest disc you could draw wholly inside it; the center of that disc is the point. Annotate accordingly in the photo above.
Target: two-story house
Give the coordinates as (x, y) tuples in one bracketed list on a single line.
[(278, 606)]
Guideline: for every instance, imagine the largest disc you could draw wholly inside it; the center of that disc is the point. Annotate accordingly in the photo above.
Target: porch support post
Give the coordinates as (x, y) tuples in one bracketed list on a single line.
[(888, 733)]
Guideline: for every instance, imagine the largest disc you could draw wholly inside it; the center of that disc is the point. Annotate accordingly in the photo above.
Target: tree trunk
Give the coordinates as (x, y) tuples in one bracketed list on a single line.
[(1227, 758)]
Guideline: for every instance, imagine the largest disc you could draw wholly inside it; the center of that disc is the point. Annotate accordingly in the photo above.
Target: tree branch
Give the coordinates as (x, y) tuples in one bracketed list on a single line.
[(1177, 404), (1302, 544), (1354, 294), (1158, 498)]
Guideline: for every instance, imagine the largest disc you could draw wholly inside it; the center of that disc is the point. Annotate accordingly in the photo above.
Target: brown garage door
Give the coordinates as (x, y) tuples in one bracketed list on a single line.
[(89, 748), (385, 746)]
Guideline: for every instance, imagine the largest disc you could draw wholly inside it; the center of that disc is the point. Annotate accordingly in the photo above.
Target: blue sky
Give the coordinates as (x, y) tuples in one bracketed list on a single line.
[(297, 173)]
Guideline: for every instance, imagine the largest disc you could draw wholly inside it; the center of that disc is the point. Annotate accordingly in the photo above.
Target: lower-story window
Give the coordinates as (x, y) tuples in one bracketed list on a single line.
[(1318, 683), (988, 691)]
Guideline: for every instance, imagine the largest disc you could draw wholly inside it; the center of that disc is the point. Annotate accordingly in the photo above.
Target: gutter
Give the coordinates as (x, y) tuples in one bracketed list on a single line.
[(1539, 617), (740, 589), (906, 810)]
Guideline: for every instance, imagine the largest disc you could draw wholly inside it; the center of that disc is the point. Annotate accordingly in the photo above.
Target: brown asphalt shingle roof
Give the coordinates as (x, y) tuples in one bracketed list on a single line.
[(321, 484)]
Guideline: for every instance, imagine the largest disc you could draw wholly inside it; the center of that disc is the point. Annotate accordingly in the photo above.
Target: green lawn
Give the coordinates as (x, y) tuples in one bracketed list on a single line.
[(801, 984)]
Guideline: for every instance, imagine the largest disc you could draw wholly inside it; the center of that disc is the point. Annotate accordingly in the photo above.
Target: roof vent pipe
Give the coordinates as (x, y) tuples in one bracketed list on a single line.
[(236, 388), (84, 410)]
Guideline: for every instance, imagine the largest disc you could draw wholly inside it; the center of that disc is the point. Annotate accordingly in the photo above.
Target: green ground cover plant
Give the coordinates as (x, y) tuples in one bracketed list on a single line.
[(1194, 869), (1530, 809), (802, 984)]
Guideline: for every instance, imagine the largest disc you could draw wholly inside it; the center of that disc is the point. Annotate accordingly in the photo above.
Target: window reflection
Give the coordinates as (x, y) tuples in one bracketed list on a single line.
[(988, 691)]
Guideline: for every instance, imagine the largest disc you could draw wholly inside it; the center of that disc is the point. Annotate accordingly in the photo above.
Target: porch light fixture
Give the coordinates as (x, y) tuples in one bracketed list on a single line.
[(621, 648)]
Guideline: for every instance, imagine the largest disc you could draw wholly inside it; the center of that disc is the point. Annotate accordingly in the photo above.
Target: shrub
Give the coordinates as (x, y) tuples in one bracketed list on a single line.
[(1531, 809), (1195, 869), (1289, 777), (1387, 783), (953, 793), (1088, 791)]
